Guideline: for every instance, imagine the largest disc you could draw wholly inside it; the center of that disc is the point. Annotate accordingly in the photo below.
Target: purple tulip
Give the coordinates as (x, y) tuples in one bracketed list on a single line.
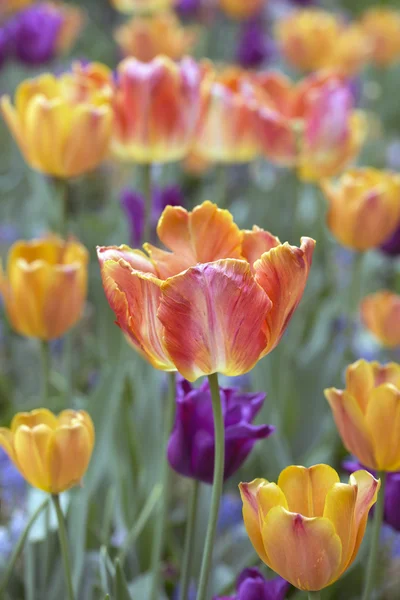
[(251, 585), (188, 8), (133, 204), (36, 33), (391, 514), (191, 445), (391, 246), (255, 46)]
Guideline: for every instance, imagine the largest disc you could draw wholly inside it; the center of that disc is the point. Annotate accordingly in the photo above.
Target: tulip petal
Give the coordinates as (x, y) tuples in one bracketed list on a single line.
[(68, 456), (69, 417), (306, 552), (282, 273), (340, 510), (367, 493), (351, 425), (7, 442), (256, 242), (31, 448), (360, 382), (383, 420), (306, 489), (389, 373), (213, 318), (40, 416)]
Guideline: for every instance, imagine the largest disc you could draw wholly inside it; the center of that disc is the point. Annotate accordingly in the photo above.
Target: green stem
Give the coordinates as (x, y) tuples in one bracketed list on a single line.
[(62, 188), (45, 354), (19, 546), (62, 534), (189, 539), (221, 186), (219, 463), (148, 199), (314, 595), (355, 294), (161, 524), (374, 548)]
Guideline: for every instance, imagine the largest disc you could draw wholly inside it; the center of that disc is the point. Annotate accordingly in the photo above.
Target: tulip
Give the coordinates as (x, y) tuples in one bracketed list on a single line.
[(62, 125), (218, 302), (44, 288), (391, 246), (10, 6), (142, 6), (380, 313), (228, 125), (241, 9), (308, 527), (365, 413), (251, 585), (51, 452), (156, 108), (296, 126), (313, 39), (146, 38), (364, 207), (191, 446), (382, 27), (255, 45)]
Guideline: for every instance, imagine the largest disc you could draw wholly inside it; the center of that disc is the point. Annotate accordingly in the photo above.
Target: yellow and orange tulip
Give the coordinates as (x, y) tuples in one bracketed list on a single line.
[(156, 107), (241, 9), (380, 313), (381, 25), (228, 124), (314, 39), (145, 38), (364, 207), (219, 301), (51, 452), (73, 19), (62, 125), (44, 289), (142, 6), (308, 527), (366, 413)]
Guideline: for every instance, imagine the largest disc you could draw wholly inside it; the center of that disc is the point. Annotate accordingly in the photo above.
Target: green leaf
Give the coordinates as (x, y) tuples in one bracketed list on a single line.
[(121, 591)]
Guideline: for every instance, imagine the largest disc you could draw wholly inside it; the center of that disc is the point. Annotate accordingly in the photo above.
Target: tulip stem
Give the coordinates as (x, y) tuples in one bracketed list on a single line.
[(62, 535), (161, 523), (221, 185), (19, 546), (45, 353), (374, 548), (314, 595), (62, 187), (148, 201), (355, 291), (189, 539), (219, 464)]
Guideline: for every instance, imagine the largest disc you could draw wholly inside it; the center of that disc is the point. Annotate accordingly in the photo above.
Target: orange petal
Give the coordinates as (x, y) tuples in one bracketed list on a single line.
[(367, 492), (351, 425), (248, 493), (380, 313), (68, 456), (282, 273), (306, 489), (383, 421), (256, 242), (213, 318), (306, 552)]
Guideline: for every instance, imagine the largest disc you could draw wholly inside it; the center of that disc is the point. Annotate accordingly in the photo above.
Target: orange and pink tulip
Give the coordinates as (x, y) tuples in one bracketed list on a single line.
[(218, 300), (309, 526), (380, 313)]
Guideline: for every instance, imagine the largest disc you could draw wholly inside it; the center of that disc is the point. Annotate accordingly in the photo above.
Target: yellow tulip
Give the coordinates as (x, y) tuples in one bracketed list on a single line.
[(51, 452), (364, 207), (308, 527), (63, 125), (381, 25), (45, 286), (367, 413), (380, 313), (142, 6)]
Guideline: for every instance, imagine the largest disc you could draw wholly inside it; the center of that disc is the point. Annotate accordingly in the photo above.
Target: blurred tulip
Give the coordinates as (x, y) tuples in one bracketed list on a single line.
[(391, 514), (241, 9), (366, 413), (255, 46), (380, 313), (364, 207), (51, 452), (252, 585), (36, 31), (227, 131), (142, 6), (44, 289), (10, 6), (145, 38), (391, 246), (191, 447), (62, 125), (308, 527), (382, 27), (218, 302), (312, 39), (157, 108), (296, 127)]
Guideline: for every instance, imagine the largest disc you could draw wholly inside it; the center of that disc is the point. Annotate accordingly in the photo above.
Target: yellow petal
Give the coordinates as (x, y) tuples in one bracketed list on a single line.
[(31, 451), (367, 492), (7, 442), (383, 420), (40, 416), (360, 382), (306, 552), (248, 493), (69, 456), (340, 510), (305, 489)]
